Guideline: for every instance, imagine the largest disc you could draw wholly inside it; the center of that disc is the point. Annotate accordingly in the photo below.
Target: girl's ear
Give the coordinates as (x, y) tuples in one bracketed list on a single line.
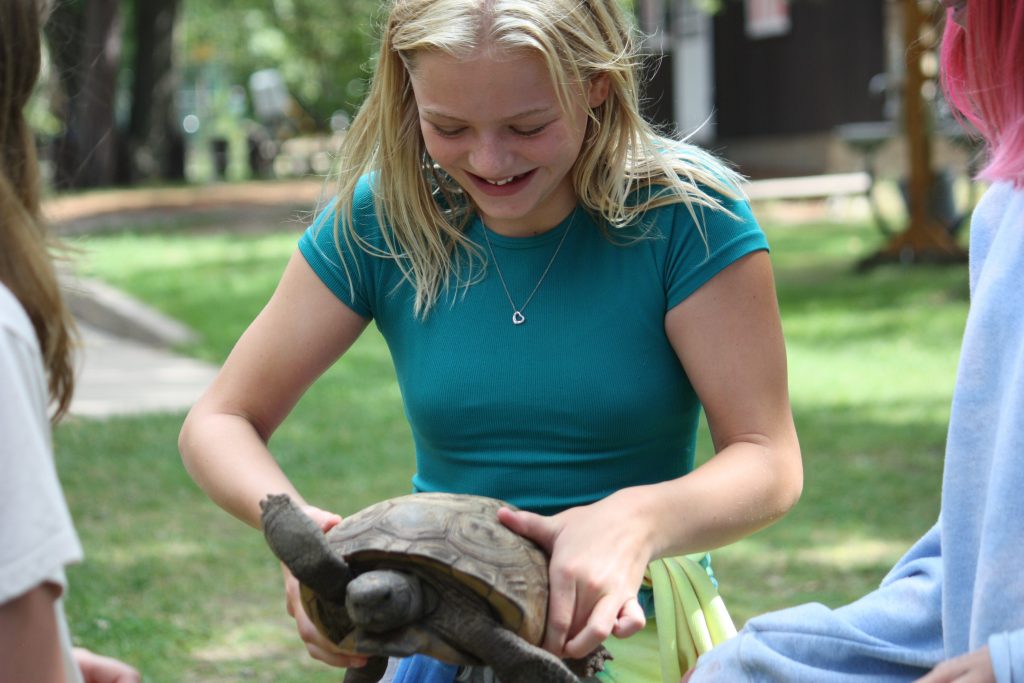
[(597, 90)]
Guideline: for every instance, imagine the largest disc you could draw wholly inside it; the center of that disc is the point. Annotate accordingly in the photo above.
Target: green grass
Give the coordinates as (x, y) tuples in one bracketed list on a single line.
[(186, 593), (872, 362)]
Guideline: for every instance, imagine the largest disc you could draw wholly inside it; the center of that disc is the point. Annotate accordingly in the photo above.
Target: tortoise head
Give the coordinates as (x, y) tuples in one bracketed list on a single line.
[(301, 545), (384, 599)]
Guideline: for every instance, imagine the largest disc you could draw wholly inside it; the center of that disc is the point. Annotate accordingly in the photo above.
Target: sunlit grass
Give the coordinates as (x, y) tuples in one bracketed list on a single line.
[(189, 594)]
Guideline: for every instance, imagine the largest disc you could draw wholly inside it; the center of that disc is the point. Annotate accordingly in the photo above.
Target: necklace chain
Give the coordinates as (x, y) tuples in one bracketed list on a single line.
[(517, 311)]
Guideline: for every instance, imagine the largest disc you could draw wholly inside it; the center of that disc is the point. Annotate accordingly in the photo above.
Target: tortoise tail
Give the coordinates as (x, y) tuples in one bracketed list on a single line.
[(300, 544)]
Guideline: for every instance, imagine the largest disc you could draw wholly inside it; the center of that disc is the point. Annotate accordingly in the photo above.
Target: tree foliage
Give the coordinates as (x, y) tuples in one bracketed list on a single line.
[(321, 47)]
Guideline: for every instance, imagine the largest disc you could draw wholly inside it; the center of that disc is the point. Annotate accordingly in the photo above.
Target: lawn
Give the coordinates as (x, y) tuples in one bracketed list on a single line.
[(188, 594)]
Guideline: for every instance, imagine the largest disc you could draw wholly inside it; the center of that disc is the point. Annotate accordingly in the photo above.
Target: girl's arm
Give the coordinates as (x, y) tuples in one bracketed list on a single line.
[(728, 337), (303, 329), (30, 647), (29, 637)]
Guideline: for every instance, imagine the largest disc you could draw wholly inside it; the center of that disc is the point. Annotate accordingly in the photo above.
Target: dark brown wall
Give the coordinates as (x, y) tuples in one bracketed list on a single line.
[(656, 103), (812, 79)]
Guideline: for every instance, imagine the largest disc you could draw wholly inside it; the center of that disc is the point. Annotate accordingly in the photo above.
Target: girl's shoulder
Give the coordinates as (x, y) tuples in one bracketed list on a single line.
[(357, 214), (700, 206)]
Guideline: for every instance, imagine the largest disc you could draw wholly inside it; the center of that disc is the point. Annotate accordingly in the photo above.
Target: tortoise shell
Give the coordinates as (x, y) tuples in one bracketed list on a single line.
[(453, 535)]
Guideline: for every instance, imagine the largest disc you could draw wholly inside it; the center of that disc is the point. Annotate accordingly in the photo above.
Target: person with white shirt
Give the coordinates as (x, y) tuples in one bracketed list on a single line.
[(37, 537)]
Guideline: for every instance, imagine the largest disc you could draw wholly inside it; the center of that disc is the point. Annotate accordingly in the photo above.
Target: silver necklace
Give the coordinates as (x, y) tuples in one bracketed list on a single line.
[(517, 311)]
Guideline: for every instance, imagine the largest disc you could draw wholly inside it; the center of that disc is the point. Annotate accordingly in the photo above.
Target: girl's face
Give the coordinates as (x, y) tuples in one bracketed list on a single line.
[(494, 123)]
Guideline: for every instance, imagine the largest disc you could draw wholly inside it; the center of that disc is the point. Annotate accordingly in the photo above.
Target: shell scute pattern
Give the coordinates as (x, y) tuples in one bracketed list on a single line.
[(459, 536)]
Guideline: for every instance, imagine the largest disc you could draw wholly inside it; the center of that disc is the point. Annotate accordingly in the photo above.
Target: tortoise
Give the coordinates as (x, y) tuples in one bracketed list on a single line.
[(429, 573)]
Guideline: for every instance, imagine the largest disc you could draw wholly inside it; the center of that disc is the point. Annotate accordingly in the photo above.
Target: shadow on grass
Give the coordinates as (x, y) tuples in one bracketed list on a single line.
[(174, 585), (171, 583), (189, 594), (871, 488)]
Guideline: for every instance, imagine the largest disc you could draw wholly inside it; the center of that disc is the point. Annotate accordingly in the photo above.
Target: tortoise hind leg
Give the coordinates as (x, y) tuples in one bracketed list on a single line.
[(371, 673), (516, 661), (463, 622)]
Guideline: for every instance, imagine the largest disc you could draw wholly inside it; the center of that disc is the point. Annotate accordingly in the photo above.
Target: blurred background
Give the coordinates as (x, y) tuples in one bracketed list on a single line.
[(185, 144), (142, 91), (187, 91)]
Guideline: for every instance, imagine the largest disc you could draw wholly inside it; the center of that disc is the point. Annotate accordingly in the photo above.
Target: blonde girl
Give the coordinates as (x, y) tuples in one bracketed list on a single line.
[(562, 291)]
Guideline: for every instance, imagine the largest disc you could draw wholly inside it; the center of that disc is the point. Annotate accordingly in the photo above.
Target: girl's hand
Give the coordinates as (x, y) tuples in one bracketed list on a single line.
[(99, 669), (973, 667), (598, 557), (318, 646)]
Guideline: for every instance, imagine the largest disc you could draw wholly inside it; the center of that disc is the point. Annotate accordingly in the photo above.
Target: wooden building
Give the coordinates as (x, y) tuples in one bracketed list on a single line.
[(773, 84)]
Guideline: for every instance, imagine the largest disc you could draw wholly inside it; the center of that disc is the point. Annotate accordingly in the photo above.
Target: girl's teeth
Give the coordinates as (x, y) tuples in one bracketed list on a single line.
[(506, 181)]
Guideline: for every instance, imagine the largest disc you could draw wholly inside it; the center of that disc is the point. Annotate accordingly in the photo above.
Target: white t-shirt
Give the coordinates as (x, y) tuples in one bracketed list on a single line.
[(37, 538)]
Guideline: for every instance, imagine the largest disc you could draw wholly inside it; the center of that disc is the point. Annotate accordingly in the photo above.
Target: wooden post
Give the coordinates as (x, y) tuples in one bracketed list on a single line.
[(924, 238)]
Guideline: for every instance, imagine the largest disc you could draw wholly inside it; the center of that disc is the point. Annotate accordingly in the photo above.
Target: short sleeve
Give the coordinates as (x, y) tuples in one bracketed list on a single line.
[(37, 537), (337, 259), (704, 242)]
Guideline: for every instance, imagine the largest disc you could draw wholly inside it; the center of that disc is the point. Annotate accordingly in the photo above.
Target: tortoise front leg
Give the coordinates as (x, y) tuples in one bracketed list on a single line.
[(371, 673), (301, 545)]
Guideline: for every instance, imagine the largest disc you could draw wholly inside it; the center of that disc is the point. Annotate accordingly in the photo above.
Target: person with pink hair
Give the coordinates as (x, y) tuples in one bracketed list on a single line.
[(952, 609)]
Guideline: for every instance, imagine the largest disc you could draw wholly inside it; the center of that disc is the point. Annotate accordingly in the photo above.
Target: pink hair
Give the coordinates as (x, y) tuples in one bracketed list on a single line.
[(983, 76)]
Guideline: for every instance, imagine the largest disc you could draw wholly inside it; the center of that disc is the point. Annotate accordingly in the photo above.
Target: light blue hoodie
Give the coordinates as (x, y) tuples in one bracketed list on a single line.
[(962, 585)]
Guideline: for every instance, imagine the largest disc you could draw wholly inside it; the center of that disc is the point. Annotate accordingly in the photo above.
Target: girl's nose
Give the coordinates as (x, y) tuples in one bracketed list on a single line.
[(490, 158)]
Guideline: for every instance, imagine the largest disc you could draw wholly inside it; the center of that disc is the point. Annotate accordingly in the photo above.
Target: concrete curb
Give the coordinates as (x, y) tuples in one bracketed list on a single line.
[(119, 376), (126, 362), (107, 308)]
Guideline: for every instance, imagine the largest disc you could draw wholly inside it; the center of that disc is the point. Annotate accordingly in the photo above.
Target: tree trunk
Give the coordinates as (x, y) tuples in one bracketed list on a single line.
[(64, 39), (925, 238), (94, 103), (156, 147)]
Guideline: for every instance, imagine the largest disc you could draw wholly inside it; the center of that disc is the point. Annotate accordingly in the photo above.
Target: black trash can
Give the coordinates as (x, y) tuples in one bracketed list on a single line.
[(220, 148)]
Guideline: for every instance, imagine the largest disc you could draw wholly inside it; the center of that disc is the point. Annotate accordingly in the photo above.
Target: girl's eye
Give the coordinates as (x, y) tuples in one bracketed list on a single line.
[(530, 131), (446, 132)]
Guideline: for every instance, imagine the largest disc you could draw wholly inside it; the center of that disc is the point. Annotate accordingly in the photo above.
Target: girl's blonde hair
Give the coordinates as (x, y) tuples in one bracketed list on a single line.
[(624, 169), (26, 267)]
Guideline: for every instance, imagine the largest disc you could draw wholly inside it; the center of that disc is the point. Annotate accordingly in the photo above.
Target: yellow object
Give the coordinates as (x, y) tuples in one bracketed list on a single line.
[(668, 615), (691, 616), (719, 622)]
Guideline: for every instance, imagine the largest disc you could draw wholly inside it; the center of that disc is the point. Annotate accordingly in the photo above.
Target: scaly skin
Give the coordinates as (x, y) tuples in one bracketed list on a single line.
[(514, 660), (301, 545), (461, 619)]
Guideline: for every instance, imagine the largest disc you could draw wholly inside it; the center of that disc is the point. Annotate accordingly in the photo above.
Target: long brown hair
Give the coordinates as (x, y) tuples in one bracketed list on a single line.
[(26, 265)]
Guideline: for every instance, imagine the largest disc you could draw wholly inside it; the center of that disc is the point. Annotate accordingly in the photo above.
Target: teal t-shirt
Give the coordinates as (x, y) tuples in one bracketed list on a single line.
[(587, 396)]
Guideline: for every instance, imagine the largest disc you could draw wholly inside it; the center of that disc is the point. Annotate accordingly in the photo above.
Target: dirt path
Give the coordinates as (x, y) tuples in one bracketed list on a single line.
[(259, 201)]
